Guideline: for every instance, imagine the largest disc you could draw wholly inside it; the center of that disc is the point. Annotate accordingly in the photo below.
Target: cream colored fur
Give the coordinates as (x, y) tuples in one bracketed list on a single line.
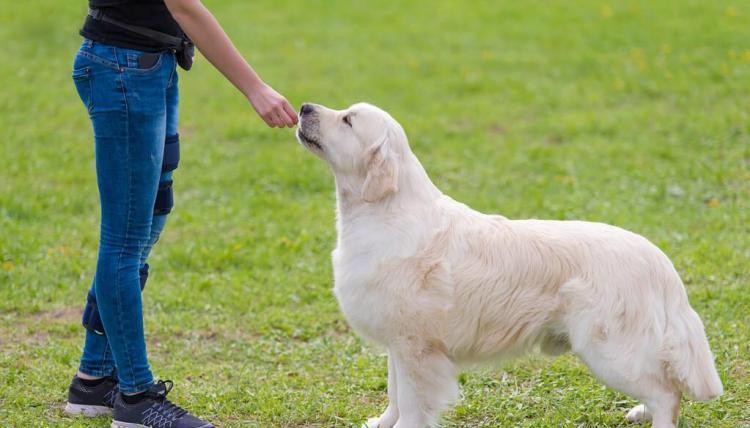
[(441, 285)]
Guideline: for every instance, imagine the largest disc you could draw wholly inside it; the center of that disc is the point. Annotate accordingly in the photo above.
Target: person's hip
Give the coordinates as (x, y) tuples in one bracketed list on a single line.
[(114, 78)]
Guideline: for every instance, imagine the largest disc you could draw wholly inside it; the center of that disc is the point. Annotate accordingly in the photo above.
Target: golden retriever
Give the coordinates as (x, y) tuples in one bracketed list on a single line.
[(442, 286)]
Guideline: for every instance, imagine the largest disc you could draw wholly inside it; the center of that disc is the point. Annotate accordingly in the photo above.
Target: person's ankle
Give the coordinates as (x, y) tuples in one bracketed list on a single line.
[(84, 376)]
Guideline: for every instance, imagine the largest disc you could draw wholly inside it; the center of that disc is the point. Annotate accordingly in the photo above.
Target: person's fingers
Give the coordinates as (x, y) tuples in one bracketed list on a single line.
[(283, 118), (266, 116), (277, 119), (278, 113), (286, 119), (270, 119), (291, 112)]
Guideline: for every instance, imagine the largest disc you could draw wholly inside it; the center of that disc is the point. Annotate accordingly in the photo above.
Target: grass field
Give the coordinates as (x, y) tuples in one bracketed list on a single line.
[(630, 113)]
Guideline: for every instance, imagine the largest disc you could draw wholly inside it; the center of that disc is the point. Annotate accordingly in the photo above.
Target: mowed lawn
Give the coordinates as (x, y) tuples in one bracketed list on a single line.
[(630, 113)]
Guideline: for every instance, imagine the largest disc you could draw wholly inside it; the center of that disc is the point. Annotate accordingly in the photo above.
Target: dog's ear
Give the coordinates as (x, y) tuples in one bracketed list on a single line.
[(382, 170)]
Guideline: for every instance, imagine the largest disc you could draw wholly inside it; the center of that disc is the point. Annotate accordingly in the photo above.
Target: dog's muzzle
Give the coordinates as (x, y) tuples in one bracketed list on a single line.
[(308, 127), (308, 141)]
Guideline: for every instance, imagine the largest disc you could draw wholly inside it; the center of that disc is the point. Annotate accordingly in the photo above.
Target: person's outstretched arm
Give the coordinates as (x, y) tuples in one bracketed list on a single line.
[(204, 30)]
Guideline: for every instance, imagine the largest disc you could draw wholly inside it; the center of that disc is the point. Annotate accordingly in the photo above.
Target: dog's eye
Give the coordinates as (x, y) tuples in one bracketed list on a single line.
[(347, 119)]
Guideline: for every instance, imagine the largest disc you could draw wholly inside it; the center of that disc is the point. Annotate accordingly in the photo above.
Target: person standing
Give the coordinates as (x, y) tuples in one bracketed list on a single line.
[(125, 74)]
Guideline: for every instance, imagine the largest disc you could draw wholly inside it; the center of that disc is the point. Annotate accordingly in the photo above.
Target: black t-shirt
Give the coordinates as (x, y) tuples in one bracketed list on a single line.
[(151, 14)]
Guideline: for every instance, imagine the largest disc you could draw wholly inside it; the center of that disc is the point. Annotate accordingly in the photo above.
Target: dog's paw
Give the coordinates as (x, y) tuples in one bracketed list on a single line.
[(638, 414), (371, 423), (378, 423)]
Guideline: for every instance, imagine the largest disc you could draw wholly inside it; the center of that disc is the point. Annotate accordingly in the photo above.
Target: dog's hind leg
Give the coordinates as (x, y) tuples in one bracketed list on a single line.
[(426, 382), (660, 397), (662, 403), (620, 338), (389, 418)]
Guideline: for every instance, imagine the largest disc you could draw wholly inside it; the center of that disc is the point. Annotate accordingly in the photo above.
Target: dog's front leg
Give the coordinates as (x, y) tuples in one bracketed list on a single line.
[(426, 384), (389, 418)]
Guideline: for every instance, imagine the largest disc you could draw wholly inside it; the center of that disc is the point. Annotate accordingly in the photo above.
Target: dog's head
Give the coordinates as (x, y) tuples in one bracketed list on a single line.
[(362, 144)]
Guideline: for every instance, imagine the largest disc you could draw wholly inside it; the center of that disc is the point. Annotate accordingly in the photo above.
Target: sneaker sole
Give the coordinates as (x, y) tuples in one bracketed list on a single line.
[(118, 424), (87, 410)]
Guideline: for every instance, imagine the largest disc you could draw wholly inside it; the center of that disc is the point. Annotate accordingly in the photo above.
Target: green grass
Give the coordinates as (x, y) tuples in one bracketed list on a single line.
[(630, 113)]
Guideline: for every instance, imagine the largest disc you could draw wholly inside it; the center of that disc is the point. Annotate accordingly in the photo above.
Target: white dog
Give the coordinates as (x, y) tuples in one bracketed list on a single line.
[(441, 285)]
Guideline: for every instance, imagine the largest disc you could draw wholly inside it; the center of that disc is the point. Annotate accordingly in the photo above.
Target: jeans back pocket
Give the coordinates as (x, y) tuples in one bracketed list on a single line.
[(82, 80)]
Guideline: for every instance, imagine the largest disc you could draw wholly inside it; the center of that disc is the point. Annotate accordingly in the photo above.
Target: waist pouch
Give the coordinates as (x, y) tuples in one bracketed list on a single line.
[(183, 47)]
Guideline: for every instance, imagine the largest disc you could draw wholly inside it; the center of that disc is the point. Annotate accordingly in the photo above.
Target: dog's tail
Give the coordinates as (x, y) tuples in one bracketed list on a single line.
[(691, 363)]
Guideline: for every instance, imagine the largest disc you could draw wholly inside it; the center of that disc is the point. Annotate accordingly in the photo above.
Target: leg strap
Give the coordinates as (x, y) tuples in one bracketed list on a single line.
[(143, 273), (171, 153), (164, 198), (91, 318)]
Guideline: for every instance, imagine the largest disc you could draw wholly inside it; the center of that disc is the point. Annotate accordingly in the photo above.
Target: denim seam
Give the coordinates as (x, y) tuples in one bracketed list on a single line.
[(137, 388), (108, 365), (90, 106), (172, 72), (97, 369), (104, 353), (115, 65), (93, 372), (102, 359), (127, 225), (84, 74), (100, 60), (81, 73), (108, 358)]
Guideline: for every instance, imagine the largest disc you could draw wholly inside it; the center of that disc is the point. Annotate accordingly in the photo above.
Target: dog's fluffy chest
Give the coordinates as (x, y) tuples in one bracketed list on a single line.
[(363, 302), (380, 281)]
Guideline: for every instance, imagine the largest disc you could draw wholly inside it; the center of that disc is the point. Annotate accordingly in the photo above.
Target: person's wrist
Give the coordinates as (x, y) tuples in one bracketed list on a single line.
[(252, 87)]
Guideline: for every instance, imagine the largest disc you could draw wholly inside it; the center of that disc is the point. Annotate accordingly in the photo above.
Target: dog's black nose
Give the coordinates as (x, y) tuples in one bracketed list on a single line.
[(306, 109)]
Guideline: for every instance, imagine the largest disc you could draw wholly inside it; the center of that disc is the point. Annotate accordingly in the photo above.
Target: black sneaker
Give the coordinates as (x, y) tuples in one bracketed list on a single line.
[(154, 411), (91, 400)]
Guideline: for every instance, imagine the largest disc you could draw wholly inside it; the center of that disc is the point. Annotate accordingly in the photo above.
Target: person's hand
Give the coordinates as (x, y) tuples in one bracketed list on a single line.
[(204, 30), (272, 107)]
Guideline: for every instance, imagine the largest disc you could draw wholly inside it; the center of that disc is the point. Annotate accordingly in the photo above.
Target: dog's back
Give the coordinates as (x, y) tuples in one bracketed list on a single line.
[(609, 294)]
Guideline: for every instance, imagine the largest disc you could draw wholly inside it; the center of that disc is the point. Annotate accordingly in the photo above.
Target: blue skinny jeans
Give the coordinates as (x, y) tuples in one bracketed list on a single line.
[(133, 111)]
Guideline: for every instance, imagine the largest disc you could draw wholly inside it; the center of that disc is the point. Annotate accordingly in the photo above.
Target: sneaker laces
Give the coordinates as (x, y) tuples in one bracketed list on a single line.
[(109, 397), (168, 409)]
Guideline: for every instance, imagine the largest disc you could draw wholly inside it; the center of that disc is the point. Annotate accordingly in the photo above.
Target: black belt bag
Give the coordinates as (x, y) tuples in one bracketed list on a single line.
[(183, 47)]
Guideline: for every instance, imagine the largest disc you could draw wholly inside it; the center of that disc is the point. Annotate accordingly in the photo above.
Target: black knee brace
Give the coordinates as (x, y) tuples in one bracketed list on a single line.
[(171, 157), (164, 196), (91, 318)]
